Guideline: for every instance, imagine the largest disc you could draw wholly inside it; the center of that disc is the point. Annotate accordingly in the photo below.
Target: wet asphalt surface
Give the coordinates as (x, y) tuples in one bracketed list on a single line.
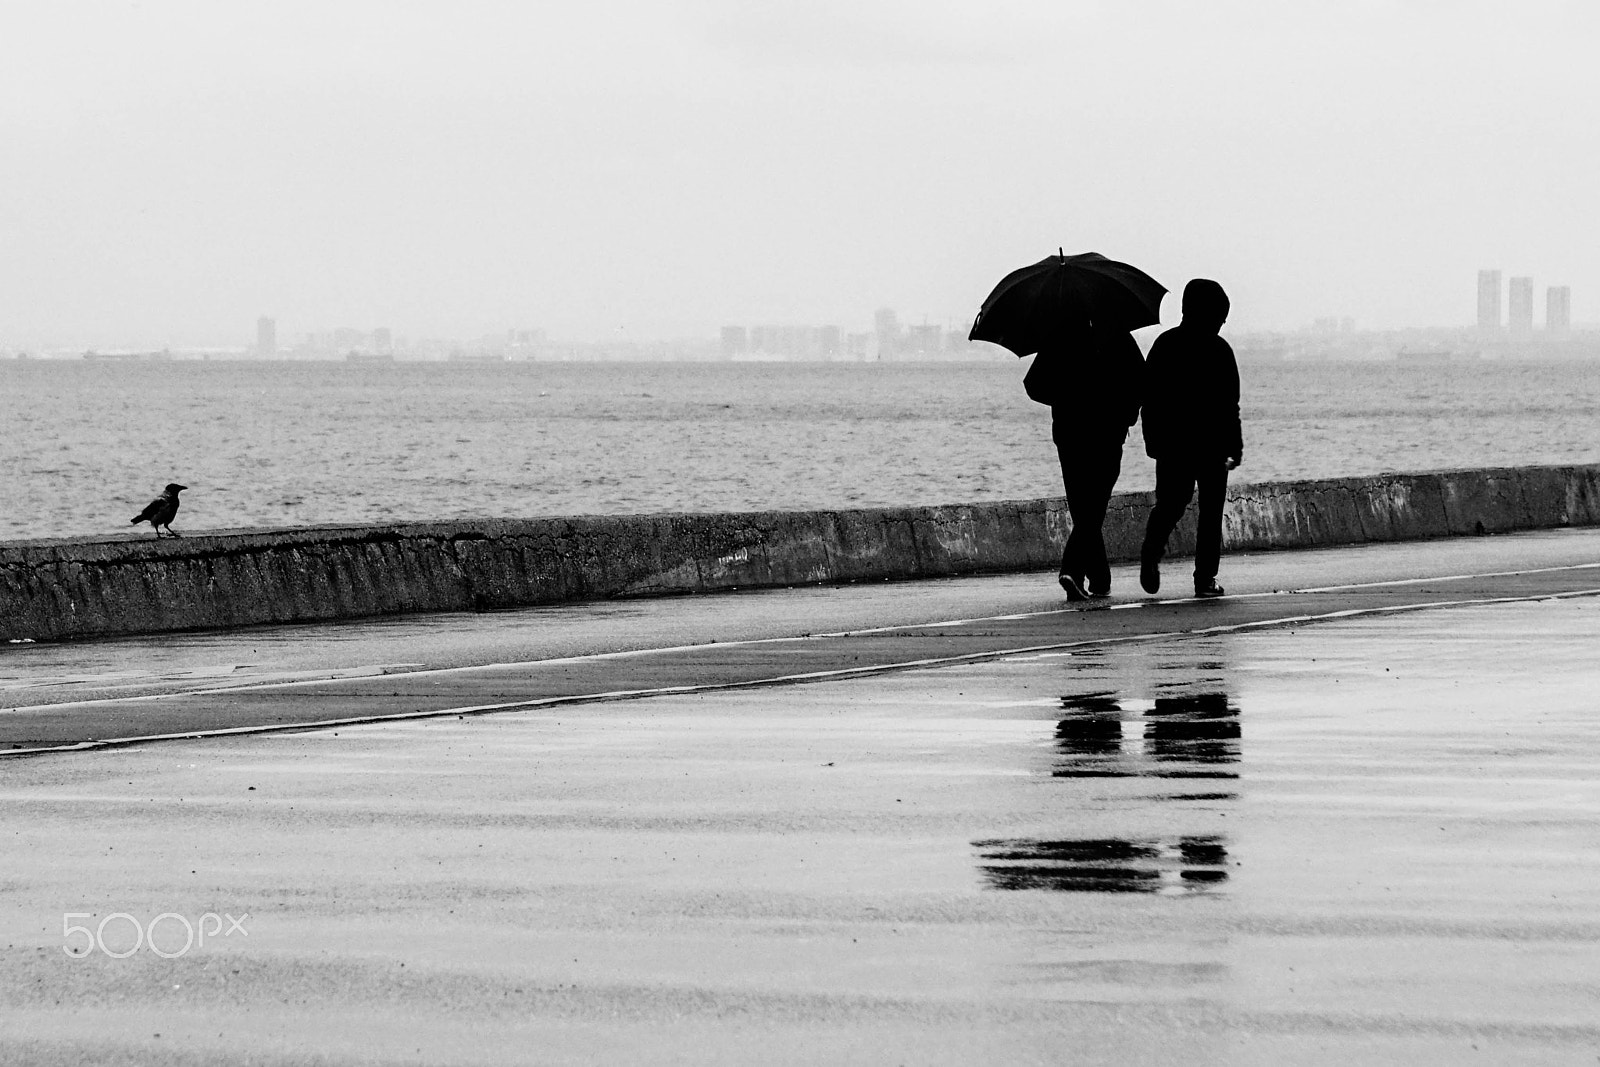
[(1373, 835)]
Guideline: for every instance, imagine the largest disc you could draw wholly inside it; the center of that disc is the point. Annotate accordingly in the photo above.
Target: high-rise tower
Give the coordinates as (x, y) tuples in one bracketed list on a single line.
[(1488, 300), (1558, 308), (266, 338), (887, 326)]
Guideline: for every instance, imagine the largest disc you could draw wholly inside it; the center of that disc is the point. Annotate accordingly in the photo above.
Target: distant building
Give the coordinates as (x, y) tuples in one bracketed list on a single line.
[(886, 324), (1558, 308), (792, 341), (958, 341), (266, 337), (924, 340), (829, 341), (382, 340), (735, 341), (1520, 306), (1488, 300), (346, 337)]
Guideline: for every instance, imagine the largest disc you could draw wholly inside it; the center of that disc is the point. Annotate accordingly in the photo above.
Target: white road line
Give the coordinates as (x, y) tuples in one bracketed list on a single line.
[(790, 679), (1449, 578)]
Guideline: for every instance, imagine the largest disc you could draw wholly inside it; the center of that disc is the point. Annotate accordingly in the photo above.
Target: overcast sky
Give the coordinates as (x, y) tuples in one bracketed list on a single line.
[(657, 169)]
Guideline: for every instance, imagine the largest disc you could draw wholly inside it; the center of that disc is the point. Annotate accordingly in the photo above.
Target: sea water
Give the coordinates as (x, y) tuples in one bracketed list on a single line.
[(84, 445)]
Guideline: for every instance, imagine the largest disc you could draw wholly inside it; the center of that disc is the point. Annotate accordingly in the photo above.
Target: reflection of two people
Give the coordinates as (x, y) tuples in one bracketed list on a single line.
[(1186, 736), (1200, 729), (1109, 865)]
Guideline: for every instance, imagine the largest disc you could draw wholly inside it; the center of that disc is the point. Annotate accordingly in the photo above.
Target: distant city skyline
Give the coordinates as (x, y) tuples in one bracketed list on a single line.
[(889, 340), (783, 339)]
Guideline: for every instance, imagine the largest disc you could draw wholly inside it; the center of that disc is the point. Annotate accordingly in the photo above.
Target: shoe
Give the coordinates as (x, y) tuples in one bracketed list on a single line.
[(1149, 576), (1073, 586), (1208, 590), (1099, 594)]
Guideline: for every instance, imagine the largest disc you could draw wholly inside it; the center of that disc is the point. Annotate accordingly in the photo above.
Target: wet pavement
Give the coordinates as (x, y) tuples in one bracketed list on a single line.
[(1368, 837), (352, 673), (54, 673)]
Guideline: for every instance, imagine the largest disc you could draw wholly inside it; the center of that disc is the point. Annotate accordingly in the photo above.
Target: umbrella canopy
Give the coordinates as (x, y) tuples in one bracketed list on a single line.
[(1045, 301)]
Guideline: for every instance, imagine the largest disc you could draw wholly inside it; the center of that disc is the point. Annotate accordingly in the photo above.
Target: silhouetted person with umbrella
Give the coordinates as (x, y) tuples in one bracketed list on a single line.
[(1076, 312), (1192, 431), (1094, 396)]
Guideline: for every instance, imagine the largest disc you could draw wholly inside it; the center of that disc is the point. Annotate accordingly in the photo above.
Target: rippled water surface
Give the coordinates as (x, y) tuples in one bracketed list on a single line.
[(274, 444)]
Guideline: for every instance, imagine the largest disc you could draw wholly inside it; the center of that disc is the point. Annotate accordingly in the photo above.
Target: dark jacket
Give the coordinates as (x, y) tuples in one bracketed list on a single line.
[(1093, 387), (1191, 395)]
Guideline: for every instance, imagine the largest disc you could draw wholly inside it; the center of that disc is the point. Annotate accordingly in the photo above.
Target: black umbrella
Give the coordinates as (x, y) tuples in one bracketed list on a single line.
[(1041, 303)]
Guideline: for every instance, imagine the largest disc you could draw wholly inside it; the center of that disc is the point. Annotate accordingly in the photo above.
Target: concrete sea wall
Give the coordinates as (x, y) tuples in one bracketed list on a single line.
[(79, 588)]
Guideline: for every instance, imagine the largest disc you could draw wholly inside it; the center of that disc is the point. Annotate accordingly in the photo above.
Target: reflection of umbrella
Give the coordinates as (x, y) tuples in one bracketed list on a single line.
[(1038, 304)]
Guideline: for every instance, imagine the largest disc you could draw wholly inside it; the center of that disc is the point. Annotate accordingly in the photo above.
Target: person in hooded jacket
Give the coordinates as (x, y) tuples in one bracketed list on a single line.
[(1091, 380), (1192, 431)]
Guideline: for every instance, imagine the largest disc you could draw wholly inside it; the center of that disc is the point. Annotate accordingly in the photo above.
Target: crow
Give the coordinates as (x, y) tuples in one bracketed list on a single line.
[(162, 510)]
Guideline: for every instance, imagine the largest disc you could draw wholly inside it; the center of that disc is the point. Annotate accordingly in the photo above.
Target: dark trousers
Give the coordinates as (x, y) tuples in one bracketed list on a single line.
[(1176, 480), (1090, 463)]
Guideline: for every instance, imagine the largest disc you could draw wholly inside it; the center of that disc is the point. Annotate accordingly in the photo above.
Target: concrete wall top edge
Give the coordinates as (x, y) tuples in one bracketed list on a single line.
[(128, 547), (207, 542)]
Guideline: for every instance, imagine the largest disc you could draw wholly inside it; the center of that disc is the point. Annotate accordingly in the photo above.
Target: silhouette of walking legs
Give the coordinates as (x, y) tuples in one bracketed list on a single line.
[(1089, 470), (1212, 480), (1176, 481)]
